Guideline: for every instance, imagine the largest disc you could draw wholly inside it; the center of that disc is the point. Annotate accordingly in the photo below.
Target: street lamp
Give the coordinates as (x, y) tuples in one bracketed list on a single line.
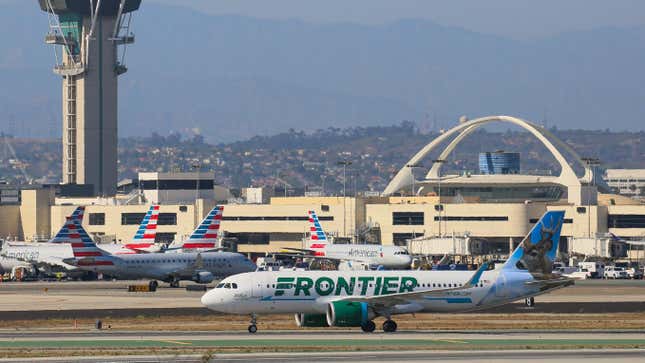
[(440, 209), (411, 167), (345, 163), (590, 162)]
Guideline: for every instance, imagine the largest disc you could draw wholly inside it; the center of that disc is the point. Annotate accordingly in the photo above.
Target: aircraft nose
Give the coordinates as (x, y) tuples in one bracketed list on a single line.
[(211, 299)]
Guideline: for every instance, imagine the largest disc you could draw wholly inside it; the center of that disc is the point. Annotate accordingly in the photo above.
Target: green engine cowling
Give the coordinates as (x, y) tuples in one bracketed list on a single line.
[(348, 314), (311, 320)]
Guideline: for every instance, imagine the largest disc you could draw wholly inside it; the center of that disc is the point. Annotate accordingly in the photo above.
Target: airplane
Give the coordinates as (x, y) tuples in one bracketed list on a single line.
[(51, 255), (627, 241), (389, 257), (355, 298), (201, 267)]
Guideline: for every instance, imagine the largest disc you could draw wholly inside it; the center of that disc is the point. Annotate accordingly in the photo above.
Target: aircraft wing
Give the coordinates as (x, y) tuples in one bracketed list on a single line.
[(406, 297), (551, 283)]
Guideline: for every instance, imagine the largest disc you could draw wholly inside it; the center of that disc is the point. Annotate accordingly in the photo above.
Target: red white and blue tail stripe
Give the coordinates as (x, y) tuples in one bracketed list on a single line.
[(85, 251), (63, 234), (316, 233), (145, 236), (205, 235)]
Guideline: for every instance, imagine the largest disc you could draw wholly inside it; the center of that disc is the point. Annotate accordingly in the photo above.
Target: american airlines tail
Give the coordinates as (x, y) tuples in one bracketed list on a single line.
[(205, 235), (145, 236), (63, 234), (85, 251), (317, 235)]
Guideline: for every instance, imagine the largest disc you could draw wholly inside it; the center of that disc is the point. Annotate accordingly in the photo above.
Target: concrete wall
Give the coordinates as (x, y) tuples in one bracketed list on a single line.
[(35, 213), (10, 225)]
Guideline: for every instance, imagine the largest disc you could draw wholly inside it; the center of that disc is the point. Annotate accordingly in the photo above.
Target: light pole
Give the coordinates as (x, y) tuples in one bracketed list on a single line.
[(440, 206), (345, 163), (590, 162), (196, 166), (411, 167)]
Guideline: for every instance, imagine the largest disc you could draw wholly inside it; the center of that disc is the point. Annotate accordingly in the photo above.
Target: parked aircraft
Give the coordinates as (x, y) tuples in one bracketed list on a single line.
[(389, 257), (355, 298), (204, 237), (200, 267)]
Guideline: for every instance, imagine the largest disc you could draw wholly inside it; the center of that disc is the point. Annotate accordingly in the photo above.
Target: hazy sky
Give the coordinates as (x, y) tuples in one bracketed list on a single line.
[(511, 18)]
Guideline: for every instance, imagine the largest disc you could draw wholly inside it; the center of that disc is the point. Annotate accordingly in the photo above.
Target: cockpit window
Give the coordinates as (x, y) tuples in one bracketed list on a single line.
[(234, 285), (227, 286), (220, 285)]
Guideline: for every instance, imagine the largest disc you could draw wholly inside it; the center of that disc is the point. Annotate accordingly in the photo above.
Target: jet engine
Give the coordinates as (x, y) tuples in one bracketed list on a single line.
[(348, 314), (311, 320), (203, 277)]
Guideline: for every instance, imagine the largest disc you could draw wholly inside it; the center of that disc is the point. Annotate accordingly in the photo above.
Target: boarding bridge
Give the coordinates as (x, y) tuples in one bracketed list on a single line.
[(602, 247), (453, 245)]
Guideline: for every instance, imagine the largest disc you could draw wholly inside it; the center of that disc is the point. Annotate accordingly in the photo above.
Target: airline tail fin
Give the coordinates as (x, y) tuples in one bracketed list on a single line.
[(205, 235), (85, 251), (538, 249), (316, 232), (63, 234), (614, 237), (148, 228)]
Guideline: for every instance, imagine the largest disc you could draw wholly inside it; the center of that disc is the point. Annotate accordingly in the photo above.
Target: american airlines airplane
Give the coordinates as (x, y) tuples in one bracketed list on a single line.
[(204, 237), (51, 255), (201, 267), (389, 257), (355, 298)]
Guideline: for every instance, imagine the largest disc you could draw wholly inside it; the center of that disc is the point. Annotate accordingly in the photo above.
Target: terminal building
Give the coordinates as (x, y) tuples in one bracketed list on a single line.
[(495, 209)]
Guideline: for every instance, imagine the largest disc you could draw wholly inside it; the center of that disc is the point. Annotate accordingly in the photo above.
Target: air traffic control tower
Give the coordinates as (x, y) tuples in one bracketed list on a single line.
[(90, 37)]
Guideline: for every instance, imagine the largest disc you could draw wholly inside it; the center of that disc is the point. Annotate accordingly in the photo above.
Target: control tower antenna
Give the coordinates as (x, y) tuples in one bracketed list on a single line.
[(90, 39)]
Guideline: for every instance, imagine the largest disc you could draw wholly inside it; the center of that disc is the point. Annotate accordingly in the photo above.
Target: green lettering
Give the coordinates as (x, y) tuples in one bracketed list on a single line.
[(303, 284), (389, 283), (342, 284), (283, 283), (328, 289), (377, 285), (364, 281), (408, 284)]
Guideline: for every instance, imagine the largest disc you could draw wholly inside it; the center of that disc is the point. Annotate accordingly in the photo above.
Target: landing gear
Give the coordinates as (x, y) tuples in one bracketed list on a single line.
[(152, 285), (253, 328), (174, 283), (529, 302), (368, 326), (389, 326)]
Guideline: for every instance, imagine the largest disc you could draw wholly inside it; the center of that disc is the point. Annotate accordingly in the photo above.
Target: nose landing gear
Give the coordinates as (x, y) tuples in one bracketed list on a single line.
[(253, 328), (529, 302)]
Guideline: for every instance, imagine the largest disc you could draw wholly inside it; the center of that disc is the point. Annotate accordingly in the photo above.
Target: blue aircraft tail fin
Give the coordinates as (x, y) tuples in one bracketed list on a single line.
[(539, 248)]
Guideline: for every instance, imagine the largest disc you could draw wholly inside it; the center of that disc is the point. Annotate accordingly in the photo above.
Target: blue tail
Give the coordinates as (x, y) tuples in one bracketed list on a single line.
[(539, 248)]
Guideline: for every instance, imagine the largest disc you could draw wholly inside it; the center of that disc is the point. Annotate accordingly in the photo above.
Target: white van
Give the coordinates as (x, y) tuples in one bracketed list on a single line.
[(596, 270)]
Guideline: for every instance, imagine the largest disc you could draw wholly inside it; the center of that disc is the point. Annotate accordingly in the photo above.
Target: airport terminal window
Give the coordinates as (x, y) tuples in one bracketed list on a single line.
[(470, 218), (400, 239), (97, 219), (176, 184), (167, 219), (131, 218), (626, 221), (164, 237), (251, 238), (565, 221), (407, 218), (274, 218)]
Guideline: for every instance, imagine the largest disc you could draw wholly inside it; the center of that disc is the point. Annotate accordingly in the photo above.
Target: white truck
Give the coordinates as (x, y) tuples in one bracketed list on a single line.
[(594, 270), (614, 272)]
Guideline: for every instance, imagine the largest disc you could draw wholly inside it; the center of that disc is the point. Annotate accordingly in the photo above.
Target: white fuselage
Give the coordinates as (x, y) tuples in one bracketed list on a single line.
[(169, 266), (312, 291), (49, 254), (390, 257)]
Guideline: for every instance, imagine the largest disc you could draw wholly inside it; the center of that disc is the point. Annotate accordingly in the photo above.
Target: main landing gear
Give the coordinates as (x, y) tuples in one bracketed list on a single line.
[(253, 328), (389, 326), (368, 326), (174, 283), (529, 302), (152, 285)]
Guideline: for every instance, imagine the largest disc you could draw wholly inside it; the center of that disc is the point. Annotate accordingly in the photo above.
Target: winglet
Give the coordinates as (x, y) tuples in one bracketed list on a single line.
[(474, 280)]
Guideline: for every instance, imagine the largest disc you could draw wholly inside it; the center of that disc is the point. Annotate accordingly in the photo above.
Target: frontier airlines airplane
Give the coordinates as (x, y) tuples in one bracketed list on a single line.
[(355, 298)]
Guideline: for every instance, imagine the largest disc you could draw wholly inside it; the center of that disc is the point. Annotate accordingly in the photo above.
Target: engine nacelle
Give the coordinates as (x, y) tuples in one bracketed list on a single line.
[(311, 320), (348, 314), (203, 277)]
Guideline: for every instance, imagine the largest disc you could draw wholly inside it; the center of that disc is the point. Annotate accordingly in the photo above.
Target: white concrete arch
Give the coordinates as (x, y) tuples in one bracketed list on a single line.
[(567, 176)]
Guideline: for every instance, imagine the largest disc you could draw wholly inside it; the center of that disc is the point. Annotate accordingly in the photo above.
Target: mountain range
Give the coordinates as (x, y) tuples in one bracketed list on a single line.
[(233, 77)]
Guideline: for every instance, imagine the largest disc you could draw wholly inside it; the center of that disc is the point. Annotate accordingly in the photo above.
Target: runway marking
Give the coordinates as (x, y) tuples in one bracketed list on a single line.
[(176, 342)]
